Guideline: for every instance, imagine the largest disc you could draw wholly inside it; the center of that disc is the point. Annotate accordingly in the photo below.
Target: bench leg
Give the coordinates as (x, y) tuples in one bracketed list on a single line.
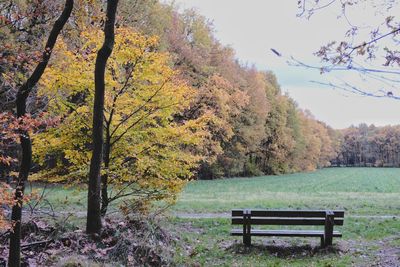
[(247, 236), (244, 233), (329, 222), (246, 228), (247, 240), (322, 241)]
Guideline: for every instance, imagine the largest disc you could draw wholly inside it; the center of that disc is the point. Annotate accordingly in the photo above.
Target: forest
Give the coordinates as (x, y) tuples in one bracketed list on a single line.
[(369, 146), (168, 103)]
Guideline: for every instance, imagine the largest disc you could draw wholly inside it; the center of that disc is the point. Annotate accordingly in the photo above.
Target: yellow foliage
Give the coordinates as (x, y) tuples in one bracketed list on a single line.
[(150, 147)]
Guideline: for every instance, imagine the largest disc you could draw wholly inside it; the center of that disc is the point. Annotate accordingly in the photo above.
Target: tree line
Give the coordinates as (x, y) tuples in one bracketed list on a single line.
[(254, 127), (245, 125), (368, 146)]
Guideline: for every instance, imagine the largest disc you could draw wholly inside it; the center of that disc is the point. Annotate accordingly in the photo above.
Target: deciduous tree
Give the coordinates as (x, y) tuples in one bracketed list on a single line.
[(148, 152), (25, 164)]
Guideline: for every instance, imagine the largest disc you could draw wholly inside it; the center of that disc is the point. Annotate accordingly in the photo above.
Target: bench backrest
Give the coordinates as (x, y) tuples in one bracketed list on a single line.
[(285, 217)]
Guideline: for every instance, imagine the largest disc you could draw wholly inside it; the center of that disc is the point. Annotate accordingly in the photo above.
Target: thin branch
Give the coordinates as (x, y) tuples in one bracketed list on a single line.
[(139, 120), (329, 68), (352, 49), (35, 244), (312, 10), (139, 108), (119, 93), (354, 90)]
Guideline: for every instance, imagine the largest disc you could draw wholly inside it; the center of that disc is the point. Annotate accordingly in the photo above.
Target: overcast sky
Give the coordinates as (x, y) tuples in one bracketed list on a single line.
[(252, 27)]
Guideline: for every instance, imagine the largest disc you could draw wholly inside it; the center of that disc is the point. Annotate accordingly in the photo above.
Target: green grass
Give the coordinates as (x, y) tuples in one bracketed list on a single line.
[(367, 195), (359, 191), (209, 244), (362, 191)]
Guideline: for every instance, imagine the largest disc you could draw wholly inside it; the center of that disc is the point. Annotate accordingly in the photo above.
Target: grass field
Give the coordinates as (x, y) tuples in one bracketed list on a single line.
[(371, 233), (370, 191)]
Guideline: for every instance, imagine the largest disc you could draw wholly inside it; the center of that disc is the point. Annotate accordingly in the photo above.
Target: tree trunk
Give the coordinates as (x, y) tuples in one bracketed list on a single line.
[(93, 224), (14, 258), (104, 177), (16, 215)]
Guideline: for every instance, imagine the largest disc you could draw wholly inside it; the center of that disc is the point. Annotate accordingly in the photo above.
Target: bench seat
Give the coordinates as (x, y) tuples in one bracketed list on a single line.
[(299, 233)]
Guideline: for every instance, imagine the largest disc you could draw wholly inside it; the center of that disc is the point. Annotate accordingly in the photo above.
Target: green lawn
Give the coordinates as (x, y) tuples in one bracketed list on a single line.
[(361, 191), (365, 242), (370, 237), (370, 197)]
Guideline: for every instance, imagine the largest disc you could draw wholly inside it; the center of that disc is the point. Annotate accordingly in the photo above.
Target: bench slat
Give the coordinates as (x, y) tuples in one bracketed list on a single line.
[(299, 233), (285, 221), (288, 213)]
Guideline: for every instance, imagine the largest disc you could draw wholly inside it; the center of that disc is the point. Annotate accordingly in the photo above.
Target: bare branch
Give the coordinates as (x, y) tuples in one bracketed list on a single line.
[(355, 90)]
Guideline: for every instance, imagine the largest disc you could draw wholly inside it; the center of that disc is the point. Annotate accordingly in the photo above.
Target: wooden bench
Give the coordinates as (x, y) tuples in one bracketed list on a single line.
[(249, 217)]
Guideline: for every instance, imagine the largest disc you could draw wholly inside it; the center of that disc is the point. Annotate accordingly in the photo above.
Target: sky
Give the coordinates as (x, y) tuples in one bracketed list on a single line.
[(253, 27)]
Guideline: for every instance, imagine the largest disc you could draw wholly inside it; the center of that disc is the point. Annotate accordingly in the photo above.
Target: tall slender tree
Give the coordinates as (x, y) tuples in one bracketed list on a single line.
[(26, 147), (93, 224)]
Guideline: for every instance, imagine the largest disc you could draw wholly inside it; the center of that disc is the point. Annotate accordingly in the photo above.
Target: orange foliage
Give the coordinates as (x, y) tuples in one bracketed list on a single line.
[(6, 200)]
